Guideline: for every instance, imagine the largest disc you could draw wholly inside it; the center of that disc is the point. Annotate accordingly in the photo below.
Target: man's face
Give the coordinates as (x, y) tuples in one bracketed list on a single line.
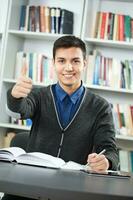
[(69, 65)]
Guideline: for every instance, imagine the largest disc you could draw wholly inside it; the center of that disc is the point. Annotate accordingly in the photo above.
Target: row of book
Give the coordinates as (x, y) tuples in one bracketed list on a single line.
[(21, 122), (126, 160), (39, 67), (109, 72), (46, 19), (112, 26), (123, 119), (102, 71)]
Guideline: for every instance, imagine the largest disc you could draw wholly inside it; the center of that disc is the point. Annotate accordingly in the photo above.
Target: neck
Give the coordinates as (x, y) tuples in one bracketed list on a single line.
[(69, 89)]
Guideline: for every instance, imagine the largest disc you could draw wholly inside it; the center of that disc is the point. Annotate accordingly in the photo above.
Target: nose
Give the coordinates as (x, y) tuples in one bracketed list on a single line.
[(69, 67)]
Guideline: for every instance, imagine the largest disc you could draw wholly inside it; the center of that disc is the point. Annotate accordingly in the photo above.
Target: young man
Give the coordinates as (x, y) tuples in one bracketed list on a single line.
[(69, 121)]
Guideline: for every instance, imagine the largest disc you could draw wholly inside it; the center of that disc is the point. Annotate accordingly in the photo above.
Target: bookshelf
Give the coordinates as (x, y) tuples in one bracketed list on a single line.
[(28, 41), (3, 20), (3, 17), (109, 48), (13, 40)]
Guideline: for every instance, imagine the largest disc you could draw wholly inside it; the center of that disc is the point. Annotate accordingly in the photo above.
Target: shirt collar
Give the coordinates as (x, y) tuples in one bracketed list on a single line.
[(61, 94)]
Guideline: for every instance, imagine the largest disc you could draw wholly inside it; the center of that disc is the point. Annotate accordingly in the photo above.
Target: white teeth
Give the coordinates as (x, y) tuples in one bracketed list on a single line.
[(68, 75)]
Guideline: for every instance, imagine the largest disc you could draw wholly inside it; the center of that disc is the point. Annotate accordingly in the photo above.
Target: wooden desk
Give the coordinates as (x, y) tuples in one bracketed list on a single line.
[(37, 182)]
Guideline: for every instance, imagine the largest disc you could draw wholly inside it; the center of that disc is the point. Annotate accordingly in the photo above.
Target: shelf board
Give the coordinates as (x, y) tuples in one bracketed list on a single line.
[(97, 87), (35, 35), (124, 137), (14, 126), (109, 43), (127, 1), (8, 80)]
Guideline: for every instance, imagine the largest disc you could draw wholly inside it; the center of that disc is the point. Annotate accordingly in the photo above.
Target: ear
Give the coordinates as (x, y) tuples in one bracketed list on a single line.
[(53, 62), (85, 63)]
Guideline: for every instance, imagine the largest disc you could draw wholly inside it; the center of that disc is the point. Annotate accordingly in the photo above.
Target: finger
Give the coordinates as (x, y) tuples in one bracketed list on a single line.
[(23, 90), (23, 79), (99, 168), (24, 70), (101, 165), (24, 85), (97, 163), (21, 95), (91, 157), (96, 158), (18, 94)]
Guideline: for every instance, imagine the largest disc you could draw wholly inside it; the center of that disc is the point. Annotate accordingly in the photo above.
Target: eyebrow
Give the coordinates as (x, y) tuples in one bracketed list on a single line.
[(72, 58)]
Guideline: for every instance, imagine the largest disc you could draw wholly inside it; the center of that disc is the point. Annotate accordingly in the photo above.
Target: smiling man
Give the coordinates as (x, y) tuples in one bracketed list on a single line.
[(69, 121)]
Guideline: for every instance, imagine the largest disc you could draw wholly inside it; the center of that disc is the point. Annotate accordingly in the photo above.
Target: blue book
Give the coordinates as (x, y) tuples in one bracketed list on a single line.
[(97, 70), (131, 158), (31, 65), (22, 18), (28, 122)]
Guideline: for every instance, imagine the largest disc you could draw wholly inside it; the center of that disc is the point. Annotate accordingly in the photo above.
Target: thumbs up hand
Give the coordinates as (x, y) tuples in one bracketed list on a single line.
[(23, 86)]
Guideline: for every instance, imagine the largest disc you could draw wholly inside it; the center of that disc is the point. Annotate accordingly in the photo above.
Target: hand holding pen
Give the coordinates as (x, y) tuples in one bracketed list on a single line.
[(98, 162)]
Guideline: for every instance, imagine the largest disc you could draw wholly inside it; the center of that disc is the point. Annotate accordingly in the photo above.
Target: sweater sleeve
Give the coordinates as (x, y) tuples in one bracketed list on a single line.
[(26, 107), (105, 135)]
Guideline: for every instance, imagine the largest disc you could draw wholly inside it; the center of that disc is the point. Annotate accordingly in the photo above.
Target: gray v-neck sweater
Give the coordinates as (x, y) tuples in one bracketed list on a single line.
[(90, 130)]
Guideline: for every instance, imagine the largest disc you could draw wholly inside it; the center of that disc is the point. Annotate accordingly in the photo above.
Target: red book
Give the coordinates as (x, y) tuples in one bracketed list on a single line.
[(42, 21), (131, 30), (131, 108), (103, 23), (119, 117), (121, 27)]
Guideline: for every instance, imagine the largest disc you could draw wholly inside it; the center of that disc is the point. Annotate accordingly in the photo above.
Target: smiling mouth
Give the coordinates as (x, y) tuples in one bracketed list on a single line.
[(68, 75)]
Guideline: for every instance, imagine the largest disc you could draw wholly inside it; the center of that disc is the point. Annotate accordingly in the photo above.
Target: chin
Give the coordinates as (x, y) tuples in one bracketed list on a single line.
[(68, 84)]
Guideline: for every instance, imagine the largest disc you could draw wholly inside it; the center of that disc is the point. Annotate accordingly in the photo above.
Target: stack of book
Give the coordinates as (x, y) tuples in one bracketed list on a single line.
[(126, 160), (113, 26), (39, 67), (110, 72), (21, 122), (46, 19), (123, 118)]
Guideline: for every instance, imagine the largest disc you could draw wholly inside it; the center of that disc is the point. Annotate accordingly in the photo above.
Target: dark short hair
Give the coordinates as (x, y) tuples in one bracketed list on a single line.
[(69, 41)]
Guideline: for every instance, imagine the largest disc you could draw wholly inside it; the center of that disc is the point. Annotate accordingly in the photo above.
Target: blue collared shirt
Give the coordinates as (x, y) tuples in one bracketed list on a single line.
[(67, 105)]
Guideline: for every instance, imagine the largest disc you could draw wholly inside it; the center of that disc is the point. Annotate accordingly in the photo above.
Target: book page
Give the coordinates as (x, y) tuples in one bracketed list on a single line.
[(10, 153), (40, 159), (73, 166)]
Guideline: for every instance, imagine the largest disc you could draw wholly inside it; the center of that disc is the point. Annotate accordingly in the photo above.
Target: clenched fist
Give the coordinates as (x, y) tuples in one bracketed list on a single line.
[(23, 86)]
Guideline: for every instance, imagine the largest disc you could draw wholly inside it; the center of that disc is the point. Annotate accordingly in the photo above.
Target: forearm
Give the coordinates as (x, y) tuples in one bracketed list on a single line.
[(105, 138), (22, 106)]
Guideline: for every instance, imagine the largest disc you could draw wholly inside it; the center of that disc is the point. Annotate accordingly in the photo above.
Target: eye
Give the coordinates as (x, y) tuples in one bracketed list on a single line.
[(76, 61), (61, 61)]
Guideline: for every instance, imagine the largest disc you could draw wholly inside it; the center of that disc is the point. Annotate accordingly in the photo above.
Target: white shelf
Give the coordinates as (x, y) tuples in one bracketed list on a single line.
[(124, 137), (35, 35), (14, 126), (97, 87), (109, 43), (8, 80), (126, 1)]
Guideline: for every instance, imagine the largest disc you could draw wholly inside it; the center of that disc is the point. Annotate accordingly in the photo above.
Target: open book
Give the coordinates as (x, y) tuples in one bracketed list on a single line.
[(16, 154)]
